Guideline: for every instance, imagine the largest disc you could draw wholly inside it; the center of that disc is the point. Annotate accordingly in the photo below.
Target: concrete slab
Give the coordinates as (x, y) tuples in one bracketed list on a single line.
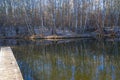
[(9, 69)]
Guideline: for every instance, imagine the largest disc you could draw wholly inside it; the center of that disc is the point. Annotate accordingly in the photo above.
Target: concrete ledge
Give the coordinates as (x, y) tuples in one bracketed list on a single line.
[(9, 69)]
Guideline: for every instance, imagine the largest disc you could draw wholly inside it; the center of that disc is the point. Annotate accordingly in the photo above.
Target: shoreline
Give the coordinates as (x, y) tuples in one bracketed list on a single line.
[(61, 37)]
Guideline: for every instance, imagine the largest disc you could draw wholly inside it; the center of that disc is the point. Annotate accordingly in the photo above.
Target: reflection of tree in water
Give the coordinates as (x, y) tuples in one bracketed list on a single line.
[(71, 61)]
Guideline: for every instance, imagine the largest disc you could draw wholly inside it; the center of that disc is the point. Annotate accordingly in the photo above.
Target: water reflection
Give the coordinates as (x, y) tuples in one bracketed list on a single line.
[(76, 60)]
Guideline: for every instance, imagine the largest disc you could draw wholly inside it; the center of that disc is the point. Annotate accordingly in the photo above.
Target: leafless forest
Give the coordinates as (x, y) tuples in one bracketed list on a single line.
[(60, 14)]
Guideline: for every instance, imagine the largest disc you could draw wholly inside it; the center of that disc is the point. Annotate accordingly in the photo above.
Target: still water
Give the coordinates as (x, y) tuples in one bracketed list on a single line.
[(84, 59)]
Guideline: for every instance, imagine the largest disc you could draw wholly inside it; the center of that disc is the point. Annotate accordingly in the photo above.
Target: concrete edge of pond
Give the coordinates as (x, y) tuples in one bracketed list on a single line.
[(9, 69)]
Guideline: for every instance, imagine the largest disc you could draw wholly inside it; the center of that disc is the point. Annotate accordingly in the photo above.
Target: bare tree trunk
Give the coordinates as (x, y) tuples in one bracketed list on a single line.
[(76, 13), (27, 21)]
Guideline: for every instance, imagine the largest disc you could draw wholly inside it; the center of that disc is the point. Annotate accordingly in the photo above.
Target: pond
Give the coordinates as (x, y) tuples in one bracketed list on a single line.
[(81, 59)]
